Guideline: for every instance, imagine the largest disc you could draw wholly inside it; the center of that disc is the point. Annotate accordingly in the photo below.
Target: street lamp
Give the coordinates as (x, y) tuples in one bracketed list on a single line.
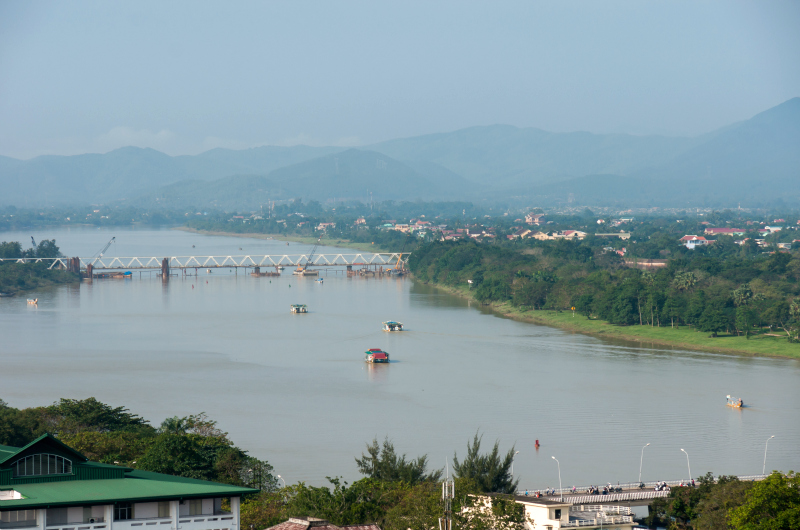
[(641, 459), (284, 482), (512, 463), (764, 469), (687, 465), (560, 490)]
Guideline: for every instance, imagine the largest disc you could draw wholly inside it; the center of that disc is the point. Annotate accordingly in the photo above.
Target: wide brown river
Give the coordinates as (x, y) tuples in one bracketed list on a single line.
[(294, 389)]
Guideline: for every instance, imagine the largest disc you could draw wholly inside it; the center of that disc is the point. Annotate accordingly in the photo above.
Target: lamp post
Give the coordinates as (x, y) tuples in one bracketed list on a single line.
[(512, 463), (284, 482), (641, 459), (560, 490), (688, 465), (764, 469)]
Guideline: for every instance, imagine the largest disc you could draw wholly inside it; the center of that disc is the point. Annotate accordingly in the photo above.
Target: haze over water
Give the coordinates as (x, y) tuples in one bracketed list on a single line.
[(294, 389)]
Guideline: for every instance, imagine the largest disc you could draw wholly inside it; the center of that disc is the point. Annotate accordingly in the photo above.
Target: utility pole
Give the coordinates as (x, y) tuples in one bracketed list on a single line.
[(448, 492)]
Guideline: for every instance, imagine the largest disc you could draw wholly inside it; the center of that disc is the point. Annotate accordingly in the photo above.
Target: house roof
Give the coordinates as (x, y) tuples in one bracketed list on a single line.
[(45, 441), (108, 483), (305, 523), (136, 486)]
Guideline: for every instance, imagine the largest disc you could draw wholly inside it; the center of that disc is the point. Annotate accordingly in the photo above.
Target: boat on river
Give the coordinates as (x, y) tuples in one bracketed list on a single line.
[(319, 280), (391, 325), (376, 355), (299, 308), (734, 402)]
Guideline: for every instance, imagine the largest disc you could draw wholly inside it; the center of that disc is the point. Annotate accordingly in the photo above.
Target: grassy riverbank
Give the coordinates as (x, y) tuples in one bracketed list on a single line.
[(683, 337), (342, 243)]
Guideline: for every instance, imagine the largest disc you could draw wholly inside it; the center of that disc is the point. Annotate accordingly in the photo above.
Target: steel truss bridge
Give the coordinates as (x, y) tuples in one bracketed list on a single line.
[(220, 262)]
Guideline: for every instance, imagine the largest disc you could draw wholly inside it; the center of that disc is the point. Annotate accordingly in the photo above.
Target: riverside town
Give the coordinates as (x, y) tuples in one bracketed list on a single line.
[(400, 265)]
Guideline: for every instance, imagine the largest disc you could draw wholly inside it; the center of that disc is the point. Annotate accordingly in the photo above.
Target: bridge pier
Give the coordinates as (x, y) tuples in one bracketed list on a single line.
[(165, 269), (89, 271)]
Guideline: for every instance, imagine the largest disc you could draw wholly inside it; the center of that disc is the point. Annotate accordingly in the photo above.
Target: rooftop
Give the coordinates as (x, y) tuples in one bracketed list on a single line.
[(87, 483)]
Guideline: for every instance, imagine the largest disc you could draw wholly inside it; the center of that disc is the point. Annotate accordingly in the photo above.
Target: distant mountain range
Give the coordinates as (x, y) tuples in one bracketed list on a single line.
[(755, 162)]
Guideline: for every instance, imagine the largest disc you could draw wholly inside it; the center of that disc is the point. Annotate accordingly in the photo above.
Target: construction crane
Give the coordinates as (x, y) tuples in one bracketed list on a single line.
[(302, 270), (397, 269), (100, 254)]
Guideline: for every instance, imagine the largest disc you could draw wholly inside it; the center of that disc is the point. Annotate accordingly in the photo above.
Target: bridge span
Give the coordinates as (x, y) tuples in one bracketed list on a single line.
[(632, 494), (221, 261)]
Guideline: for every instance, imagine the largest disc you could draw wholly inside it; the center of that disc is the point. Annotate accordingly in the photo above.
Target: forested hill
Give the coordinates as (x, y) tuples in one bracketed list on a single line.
[(724, 293)]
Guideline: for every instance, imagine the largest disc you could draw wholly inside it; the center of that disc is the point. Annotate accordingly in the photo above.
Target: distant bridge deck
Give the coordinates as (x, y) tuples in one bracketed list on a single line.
[(220, 262), (631, 494)]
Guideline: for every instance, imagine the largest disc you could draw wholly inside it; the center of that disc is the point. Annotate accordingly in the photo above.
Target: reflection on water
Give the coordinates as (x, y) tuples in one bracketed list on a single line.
[(377, 373), (292, 389)]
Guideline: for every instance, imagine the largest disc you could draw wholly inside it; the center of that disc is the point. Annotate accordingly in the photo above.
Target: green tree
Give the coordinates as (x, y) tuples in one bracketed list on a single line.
[(263, 510), (419, 509), (10, 250), (122, 447), (490, 471), (713, 319), (181, 455), (382, 463), (366, 500), (745, 320), (771, 504), (19, 427), (70, 416), (711, 513)]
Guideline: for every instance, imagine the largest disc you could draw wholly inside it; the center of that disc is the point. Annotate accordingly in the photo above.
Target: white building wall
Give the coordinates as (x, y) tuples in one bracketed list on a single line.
[(208, 506)]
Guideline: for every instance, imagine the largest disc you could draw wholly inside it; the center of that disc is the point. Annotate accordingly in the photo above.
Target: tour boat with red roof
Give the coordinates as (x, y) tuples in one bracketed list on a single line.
[(376, 355)]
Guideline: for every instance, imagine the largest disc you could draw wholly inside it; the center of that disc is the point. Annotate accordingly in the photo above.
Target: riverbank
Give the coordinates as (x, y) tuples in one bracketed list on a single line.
[(682, 337), (343, 243)]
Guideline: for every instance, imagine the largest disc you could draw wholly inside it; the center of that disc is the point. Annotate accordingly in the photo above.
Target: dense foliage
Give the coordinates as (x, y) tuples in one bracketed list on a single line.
[(382, 463), (716, 293), (16, 277), (190, 447), (726, 503)]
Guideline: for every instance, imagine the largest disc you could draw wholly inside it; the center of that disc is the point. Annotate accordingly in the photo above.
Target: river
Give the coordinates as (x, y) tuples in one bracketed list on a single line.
[(294, 389)]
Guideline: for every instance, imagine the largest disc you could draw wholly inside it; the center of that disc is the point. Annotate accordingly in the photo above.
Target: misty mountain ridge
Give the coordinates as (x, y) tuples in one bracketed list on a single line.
[(354, 175), (752, 160)]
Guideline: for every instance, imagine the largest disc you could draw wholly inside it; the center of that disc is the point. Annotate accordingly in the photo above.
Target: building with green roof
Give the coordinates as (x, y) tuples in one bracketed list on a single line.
[(49, 486)]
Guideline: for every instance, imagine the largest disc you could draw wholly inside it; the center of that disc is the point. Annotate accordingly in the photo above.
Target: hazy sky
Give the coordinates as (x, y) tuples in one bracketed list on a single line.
[(183, 77)]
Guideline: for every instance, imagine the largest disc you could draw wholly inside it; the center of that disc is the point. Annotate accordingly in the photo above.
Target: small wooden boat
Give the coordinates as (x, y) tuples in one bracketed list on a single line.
[(376, 355), (33, 301), (391, 325), (299, 308), (734, 402)]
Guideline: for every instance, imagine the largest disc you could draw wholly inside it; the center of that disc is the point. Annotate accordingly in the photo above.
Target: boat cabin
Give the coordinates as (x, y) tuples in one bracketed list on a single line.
[(376, 355), (299, 308), (391, 325)]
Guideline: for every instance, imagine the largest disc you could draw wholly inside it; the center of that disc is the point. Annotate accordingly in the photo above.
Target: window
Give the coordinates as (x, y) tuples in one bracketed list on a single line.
[(18, 519), (41, 464), (163, 509), (56, 516), (557, 513), (196, 507), (123, 511)]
